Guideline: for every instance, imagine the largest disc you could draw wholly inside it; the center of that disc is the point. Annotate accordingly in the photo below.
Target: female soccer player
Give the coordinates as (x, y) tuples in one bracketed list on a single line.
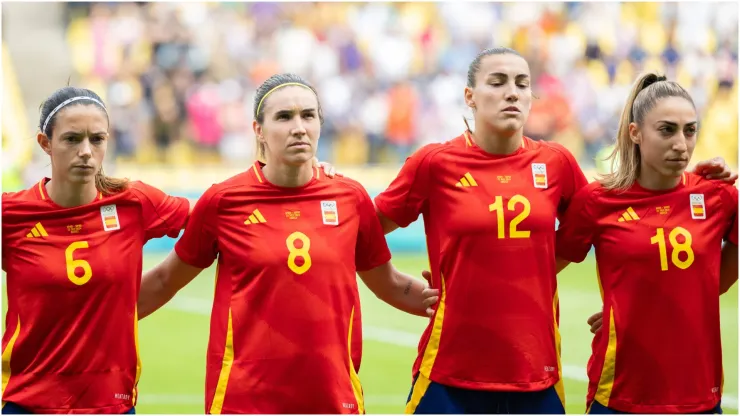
[(288, 243), (657, 232), (72, 250), (489, 200)]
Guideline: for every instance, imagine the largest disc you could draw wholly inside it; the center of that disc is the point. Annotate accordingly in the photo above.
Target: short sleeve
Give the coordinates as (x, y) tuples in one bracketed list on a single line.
[(573, 178), (198, 245), (371, 249), (407, 195), (731, 201), (162, 214), (576, 232)]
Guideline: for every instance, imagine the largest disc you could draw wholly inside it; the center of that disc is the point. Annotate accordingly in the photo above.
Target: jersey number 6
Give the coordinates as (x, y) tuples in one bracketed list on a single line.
[(73, 265)]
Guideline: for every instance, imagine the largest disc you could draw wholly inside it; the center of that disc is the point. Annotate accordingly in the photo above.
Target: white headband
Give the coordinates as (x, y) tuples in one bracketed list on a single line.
[(60, 106)]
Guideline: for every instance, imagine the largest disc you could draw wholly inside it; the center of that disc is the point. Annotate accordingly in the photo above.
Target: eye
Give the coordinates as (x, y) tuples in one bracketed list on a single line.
[(283, 116), (97, 139), (309, 116), (667, 130), (523, 85)]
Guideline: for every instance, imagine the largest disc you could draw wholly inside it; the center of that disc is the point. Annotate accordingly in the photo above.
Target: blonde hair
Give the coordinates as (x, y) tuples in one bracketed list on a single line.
[(625, 158)]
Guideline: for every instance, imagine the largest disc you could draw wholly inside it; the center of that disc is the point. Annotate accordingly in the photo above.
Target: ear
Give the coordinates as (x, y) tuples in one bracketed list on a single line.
[(635, 133), (469, 98), (257, 130), (44, 142)]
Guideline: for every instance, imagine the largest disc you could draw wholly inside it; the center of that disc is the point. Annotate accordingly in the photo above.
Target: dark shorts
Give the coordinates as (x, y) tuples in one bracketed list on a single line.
[(14, 409), (428, 397)]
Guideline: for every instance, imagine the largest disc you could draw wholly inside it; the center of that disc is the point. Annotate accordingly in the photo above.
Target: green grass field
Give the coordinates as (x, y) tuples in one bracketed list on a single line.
[(173, 344)]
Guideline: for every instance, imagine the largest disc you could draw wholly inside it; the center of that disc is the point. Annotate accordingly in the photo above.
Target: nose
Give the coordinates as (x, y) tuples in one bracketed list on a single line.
[(298, 128), (85, 149), (512, 93), (680, 145)]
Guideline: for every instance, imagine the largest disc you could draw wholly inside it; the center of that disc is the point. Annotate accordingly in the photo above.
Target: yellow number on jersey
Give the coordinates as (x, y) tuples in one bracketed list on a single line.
[(678, 248), (498, 206), (73, 264), (296, 252)]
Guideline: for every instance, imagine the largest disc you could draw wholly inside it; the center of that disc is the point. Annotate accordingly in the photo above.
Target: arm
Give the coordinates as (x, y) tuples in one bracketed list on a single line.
[(728, 267), (400, 290), (388, 225), (161, 283)]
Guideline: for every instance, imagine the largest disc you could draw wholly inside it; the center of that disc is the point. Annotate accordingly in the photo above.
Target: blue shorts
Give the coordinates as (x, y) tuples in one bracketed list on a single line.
[(428, 397), (14, 409), (599, 409)]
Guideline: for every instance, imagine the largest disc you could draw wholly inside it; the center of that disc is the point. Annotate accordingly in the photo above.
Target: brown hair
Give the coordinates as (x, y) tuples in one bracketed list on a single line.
[(67, 97), (625, 158)]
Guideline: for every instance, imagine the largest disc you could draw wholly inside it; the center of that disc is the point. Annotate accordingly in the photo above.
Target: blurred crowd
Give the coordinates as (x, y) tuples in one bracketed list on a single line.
[(179, 78)]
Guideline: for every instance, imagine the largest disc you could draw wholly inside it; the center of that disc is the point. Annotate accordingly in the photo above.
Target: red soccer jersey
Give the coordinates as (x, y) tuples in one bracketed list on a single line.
[(70, 341), (490, 227), (286, 302), (658, 256)]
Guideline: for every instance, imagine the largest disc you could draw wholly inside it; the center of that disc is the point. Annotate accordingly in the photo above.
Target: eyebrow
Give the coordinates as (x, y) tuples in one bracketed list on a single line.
[(80, 133), (670, 123), (502, 75), (288, 112)]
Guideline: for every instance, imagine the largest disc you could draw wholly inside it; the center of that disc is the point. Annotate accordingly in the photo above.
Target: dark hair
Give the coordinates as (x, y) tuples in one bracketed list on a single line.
[(274, 82), (646, 92), (475, 65), (51, 107)]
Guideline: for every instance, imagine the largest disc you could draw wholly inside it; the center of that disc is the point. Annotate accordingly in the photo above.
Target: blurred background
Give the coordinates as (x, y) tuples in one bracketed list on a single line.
[(179, 82)]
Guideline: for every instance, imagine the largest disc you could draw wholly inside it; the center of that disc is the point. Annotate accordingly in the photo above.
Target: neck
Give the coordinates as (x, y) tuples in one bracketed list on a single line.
[(651, 179), (288, 176), (70, 195), (498, 143)]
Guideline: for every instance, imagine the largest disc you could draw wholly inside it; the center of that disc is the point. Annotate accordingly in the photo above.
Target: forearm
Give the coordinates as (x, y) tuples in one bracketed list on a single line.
[(728, 267), (405, 294), (154, 293)]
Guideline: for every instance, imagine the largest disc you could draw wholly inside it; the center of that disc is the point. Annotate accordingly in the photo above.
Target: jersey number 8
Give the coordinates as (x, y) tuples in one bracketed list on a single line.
[(295, 252)]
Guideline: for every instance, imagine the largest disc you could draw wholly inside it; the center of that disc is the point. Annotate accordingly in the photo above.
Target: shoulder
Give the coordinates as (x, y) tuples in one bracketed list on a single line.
[(559, 151), (429, 152), (591, 192), (348, 185), (697, 183), (11, 200)]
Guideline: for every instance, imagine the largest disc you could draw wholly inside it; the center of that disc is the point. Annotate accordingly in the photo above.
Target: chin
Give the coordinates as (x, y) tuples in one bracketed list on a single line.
[(298, 159)]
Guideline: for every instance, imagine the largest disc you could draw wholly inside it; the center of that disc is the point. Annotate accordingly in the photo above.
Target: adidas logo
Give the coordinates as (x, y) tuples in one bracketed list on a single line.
[(629, 215), (467, 180), (255, 218), (37, 231)]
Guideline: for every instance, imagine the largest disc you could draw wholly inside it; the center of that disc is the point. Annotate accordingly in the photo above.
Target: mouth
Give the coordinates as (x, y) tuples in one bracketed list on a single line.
[(83, 167), (677, 161), (511, 110), (300, 145)]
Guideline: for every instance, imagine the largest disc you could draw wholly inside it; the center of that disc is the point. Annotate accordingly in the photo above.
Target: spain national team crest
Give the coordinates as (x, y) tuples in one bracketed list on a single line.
[(110, 218), (539, 175), (698, 209), (329, 212)]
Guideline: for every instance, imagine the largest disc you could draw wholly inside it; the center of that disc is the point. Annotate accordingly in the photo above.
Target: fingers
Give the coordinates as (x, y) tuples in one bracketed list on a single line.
[(593, 318), (427, 275), (596, 326)]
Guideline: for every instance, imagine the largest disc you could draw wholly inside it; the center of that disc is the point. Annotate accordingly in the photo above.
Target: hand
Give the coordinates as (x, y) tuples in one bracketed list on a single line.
[(431, 297), (715, 168), (595, 321), (329, 170)]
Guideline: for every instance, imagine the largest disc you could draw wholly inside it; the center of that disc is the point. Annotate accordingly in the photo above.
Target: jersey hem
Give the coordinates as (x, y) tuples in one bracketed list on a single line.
[(526, 386), (625, 406)]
